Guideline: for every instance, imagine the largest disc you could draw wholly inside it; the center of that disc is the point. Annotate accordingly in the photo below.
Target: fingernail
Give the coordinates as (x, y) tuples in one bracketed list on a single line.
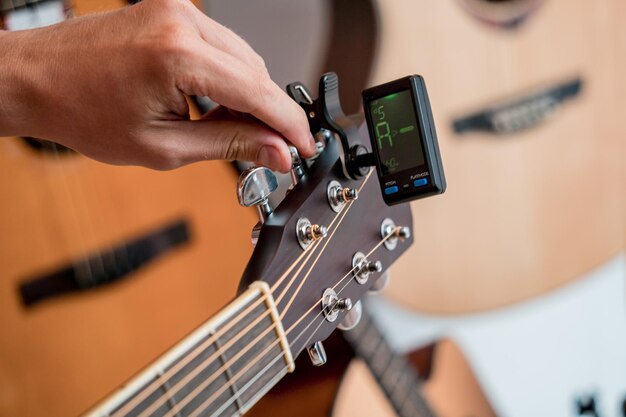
[(270, 157)]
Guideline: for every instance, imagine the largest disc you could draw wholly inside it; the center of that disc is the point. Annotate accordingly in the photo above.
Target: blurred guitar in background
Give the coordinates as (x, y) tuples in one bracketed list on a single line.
[(176, 241), (70, 224)]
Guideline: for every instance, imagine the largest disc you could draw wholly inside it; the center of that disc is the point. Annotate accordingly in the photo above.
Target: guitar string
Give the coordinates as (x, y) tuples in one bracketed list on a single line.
[(141, 395), (199, 349), (327, 241), (232, 380), (207, 362), (207, 402), (233, 359), (155, 385), (334, 287)]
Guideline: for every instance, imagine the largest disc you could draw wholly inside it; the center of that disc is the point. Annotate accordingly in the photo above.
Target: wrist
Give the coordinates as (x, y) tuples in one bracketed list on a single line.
[(14, 91), (8, 90)]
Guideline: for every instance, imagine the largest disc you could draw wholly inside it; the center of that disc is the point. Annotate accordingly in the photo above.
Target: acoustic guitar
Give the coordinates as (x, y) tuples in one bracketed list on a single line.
[(71, 225), (364, 376), (528, 118)]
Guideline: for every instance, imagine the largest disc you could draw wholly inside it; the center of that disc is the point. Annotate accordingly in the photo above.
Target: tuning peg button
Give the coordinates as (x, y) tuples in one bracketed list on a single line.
[(297, 169), (338, 196), (352, 317), (308, 233), (362, 267), (254, 187), (381, 283), (317, 354)]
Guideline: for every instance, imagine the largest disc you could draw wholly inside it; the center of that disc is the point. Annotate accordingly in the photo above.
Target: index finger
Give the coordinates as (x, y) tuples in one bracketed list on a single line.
[(248, 89)]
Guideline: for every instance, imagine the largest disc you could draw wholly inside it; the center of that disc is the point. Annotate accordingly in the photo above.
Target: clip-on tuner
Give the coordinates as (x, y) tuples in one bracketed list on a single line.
[(401, 129)]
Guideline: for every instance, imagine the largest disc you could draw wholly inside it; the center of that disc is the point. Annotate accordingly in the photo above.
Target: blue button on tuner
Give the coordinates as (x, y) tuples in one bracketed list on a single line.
[(391, 190), (420, 182)]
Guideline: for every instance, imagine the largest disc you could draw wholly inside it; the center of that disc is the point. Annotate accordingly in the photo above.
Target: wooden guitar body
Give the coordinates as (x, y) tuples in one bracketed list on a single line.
[(346, 387), (61, 355), (528, 211)]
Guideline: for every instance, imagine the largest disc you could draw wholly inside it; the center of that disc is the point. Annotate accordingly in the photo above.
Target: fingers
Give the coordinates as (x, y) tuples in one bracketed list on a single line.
[(191, 141), (232, 74)]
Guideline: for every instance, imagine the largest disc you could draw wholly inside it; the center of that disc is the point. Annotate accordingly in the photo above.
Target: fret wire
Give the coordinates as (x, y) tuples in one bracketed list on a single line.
[(235, 377), (335, 286), (229, 374), (144, 391), (319, 314), (170, 398), (300, 335), (244, 388), (206, 363)]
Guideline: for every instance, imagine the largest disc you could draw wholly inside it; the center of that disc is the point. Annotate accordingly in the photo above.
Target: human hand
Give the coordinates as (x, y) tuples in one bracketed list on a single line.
[(112, 86)]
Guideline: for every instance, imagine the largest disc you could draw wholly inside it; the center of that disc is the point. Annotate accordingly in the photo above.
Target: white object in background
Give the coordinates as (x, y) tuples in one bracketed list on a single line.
[(40, 15), (535, 358)]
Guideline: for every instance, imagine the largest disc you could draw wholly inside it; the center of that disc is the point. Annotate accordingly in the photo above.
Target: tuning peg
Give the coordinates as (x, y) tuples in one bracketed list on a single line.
[(362, 267), (338, 196), (254, 188), (392, 233), (381, 283), (297, 170), (317, 354), (352, 317), (308, 233)]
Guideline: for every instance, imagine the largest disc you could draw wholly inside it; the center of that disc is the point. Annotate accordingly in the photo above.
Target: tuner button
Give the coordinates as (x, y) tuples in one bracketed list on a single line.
[(297, 170), (381, 283), (392, 233), (317, 354), (254, 187), (338, 196), (362, 267), (352, 318), (307, 233), (332, 305)]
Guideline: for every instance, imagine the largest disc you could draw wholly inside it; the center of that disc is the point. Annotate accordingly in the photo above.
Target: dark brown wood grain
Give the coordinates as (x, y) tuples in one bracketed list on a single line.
[(278, 248)]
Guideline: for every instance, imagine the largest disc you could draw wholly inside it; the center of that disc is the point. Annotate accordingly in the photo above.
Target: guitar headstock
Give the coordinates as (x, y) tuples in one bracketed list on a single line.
[(310, 248)]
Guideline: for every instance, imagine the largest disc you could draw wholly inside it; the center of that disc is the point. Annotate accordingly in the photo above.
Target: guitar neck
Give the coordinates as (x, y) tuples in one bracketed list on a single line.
[(394, 374), (221, 369)]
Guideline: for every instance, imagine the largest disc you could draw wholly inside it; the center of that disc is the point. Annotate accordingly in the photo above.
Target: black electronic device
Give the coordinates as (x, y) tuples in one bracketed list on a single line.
[(404, 141), (401, 130)]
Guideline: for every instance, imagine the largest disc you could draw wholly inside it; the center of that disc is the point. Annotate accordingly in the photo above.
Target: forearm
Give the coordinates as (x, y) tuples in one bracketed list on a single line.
[(13, 83)]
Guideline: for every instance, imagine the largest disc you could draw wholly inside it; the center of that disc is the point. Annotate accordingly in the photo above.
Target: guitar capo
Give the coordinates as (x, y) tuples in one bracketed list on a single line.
[(325, 112)]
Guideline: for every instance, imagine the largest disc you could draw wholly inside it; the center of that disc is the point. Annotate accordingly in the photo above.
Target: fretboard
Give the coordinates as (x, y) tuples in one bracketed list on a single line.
[(221, 369), (394, 374)]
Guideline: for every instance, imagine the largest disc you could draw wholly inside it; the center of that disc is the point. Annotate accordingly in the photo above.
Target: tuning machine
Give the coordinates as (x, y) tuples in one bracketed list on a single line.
[(339, 196), (254, 187), (391, 233), (362, 267)]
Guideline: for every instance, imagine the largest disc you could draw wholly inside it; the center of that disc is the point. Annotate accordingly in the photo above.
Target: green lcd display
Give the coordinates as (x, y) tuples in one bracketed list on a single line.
[(396, 131)]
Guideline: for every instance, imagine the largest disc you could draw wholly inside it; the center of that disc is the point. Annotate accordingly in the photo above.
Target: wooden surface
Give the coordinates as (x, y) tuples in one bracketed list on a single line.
[(451, 389), (62, 356), (527, 213)]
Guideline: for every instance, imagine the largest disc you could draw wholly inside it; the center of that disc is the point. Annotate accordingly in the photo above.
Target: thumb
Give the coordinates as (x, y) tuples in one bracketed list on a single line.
[(244, 140)]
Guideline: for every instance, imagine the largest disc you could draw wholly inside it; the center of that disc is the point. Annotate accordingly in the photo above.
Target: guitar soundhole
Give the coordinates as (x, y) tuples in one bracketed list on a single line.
[(505, 14), (46, 147)]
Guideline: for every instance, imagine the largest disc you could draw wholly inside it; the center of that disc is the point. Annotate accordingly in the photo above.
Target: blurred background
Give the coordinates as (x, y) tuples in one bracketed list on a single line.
[(511, 301)]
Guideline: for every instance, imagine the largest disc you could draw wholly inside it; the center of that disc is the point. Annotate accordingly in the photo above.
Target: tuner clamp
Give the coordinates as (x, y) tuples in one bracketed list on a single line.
[(326, 115)]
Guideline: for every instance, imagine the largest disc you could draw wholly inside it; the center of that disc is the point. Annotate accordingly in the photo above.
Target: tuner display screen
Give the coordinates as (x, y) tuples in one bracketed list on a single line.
[(397, 134)]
